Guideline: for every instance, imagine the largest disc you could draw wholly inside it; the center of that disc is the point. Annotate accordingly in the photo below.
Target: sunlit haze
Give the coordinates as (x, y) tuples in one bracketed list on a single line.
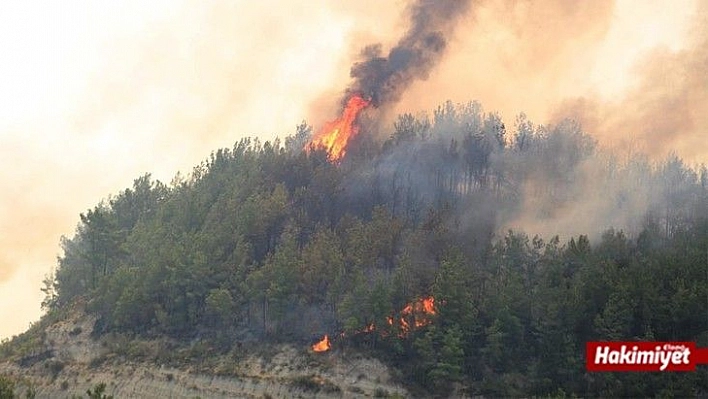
[(94, 94)]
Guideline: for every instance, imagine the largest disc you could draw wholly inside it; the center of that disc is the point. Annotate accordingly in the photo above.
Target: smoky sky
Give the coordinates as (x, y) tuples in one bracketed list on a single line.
[(665, 110), (628, 71), (95, 94)]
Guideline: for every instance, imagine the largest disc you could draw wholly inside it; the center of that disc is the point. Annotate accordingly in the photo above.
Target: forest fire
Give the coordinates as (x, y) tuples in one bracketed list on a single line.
[(323, 345), (419, 313), (335, 135)]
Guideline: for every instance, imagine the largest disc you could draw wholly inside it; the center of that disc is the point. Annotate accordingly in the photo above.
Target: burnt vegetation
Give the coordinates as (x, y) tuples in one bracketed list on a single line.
[(270, 243)]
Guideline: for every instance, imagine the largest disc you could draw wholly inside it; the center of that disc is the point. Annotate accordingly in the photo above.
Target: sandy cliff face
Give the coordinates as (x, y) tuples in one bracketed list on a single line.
[(71, 362)]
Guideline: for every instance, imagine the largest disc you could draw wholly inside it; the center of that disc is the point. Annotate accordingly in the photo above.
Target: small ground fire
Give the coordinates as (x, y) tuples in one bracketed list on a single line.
[(323, 345)]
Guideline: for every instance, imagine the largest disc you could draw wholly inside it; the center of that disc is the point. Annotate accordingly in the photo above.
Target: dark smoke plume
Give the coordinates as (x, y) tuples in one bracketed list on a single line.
[(385, 78)]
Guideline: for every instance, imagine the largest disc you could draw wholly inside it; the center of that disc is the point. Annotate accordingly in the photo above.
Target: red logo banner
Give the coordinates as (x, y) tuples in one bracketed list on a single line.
[(644, 356)]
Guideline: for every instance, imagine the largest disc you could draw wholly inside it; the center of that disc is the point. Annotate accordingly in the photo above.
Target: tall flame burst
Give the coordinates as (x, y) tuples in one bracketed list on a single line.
[(335, 135)]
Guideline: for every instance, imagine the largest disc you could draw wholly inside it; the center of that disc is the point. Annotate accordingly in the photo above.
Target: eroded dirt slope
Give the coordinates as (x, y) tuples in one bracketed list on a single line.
[(71, 362)]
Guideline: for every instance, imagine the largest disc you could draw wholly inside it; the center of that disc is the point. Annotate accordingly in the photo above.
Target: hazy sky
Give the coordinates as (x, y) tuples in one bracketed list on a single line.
[(94, 94)]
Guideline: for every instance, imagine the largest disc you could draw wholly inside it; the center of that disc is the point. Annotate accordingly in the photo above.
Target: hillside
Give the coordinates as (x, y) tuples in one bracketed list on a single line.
[(429, 251), (68, 362)]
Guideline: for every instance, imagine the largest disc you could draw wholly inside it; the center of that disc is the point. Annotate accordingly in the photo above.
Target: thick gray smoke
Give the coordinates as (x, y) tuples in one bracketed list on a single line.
[(385, 78), (544, 180)]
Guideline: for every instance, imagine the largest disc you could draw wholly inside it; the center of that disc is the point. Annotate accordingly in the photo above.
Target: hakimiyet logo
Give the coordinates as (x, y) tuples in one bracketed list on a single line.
[(644, 356)]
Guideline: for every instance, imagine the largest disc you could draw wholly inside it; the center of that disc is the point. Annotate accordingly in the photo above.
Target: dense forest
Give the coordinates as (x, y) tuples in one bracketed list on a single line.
[(274, 242)]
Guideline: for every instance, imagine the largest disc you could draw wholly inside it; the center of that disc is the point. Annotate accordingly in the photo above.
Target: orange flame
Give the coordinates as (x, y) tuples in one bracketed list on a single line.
[(420, 311), (323, 345), (429, 305), (335, 135)]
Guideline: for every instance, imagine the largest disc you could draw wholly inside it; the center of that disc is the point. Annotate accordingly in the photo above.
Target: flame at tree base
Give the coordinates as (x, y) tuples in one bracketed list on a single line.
[(414, 315), (335, 135), (323, 345)]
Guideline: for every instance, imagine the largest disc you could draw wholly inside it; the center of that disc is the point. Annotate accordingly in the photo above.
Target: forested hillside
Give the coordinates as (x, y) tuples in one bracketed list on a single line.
[(271, 242)]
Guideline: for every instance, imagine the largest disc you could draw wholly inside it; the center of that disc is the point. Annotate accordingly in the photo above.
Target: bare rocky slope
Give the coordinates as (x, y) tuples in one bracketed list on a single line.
[(69, 362)]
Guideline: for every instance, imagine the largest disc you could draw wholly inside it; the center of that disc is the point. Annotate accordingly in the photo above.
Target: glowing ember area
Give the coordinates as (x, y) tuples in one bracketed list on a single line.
[(335, 135), (428, 305), (323, 345)]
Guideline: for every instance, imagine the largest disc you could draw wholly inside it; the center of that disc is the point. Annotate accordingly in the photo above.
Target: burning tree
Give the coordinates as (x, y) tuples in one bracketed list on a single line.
[(380, 79), (335, 135)]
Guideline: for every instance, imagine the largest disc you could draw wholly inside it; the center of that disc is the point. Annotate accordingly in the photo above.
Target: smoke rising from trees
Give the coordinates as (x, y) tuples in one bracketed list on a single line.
[(632, 74), (143, 82), (268, 243), (493, 176)]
